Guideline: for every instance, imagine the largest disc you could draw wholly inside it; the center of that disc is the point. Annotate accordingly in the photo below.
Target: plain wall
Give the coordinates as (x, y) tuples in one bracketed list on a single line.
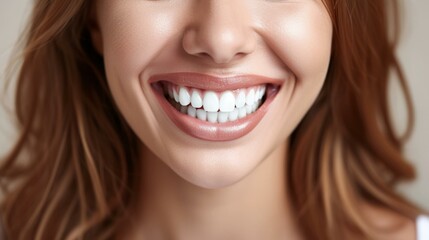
[(413, 53)]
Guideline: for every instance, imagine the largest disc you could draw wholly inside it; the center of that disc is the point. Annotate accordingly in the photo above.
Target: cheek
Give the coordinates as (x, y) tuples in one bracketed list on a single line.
[(134, 33), (301, 36)]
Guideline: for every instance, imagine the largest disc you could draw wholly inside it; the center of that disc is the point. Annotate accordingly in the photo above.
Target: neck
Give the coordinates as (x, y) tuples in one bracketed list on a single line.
[(256, 207)]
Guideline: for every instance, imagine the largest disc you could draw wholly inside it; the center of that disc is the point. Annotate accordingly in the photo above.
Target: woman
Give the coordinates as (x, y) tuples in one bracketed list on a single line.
[(207, 120)]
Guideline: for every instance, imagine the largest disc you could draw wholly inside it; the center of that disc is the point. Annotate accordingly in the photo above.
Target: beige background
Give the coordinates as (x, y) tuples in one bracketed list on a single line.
[(413, 53)]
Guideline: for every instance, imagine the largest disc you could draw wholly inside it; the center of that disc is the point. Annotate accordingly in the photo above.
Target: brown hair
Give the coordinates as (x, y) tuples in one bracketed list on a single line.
[(70, 173)]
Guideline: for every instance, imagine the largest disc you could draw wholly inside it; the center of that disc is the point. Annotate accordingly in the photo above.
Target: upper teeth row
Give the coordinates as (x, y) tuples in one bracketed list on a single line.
[(212, 101)]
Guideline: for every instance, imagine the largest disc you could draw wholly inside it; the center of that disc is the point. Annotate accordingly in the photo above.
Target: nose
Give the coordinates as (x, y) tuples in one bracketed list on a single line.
[(220, 31)]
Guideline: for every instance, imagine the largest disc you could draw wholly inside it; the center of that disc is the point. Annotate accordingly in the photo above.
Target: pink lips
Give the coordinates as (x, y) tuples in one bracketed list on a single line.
[(214, 131)]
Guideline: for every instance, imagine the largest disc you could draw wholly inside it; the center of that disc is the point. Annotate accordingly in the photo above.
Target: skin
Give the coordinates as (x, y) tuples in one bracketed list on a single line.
[(196, 189)]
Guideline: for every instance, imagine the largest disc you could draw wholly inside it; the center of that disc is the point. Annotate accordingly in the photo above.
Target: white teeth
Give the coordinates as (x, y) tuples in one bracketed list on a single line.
[(196, 99), (184, 96), (192, 111), (222, 117), (261, 92), (175, 95), (218, 117), (212, 117), (257, 94), (250, 98), (263, 89), (215, 107), (242, 112), (254, 107), (211, 102), (201, 114), (227, 102), (233, 115), (241, 99), (249, 108)]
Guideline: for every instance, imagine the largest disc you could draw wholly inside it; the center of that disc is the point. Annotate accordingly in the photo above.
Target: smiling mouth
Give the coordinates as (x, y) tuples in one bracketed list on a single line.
[(213, 108)]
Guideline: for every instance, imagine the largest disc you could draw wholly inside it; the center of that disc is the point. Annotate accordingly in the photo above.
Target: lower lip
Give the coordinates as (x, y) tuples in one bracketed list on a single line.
[(215, 131)]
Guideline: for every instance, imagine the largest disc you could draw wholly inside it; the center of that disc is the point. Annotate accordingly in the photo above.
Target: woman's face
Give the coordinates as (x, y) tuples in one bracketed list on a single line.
[(212, 87)]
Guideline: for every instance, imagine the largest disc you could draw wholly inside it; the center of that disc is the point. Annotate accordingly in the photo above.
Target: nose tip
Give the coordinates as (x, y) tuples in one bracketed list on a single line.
[(220, 36), (220, 47)]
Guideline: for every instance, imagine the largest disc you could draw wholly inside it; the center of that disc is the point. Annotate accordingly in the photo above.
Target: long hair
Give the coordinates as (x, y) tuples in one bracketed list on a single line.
[(70, 175)]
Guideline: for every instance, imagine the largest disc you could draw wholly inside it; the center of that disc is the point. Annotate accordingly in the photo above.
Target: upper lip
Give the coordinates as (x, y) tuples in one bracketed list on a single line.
[(209, 82)]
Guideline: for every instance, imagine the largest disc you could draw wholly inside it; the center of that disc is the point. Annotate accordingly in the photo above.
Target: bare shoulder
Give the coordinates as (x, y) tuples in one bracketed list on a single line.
[(392, 225)]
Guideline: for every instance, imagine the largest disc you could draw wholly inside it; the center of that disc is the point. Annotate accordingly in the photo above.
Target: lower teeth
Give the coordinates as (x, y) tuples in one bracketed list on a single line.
[(216, 117)]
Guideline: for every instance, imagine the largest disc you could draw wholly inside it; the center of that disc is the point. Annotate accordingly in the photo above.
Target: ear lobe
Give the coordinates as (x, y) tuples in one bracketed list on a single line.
[(94, 31)]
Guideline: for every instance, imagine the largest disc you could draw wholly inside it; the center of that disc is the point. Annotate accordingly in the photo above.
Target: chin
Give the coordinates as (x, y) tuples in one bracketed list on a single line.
[(205, 176), (215, 169)]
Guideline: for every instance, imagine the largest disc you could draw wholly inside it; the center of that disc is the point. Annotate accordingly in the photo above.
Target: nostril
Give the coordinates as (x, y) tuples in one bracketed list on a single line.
[(215, 59), (204, 55)]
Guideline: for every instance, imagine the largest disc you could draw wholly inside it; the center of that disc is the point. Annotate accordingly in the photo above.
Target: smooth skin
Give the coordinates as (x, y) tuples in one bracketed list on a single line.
[(194, 189)]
